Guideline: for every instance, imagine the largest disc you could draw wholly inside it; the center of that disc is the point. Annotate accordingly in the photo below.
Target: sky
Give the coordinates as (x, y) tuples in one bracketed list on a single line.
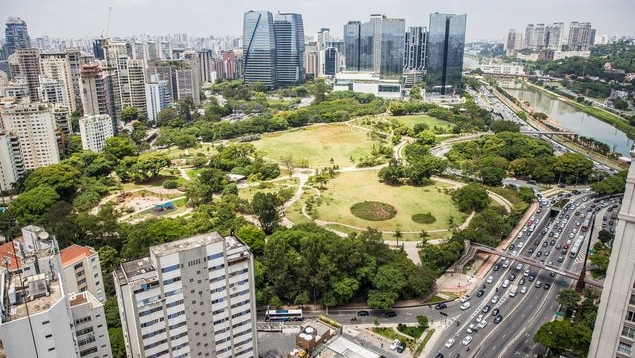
[(486, 19)]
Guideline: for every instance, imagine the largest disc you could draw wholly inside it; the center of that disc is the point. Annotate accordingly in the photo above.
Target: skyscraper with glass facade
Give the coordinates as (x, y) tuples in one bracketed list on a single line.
[(16, 36), (289, 41), (259, 48), (446, 40), (375, 46), (415, 49)]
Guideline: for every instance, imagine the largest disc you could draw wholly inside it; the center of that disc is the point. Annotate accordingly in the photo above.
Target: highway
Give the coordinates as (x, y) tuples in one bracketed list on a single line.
[(524, 313)]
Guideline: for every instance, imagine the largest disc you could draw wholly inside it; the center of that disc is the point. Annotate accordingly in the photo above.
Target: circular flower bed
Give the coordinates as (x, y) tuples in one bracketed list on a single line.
[(373, 210), (424, 218)]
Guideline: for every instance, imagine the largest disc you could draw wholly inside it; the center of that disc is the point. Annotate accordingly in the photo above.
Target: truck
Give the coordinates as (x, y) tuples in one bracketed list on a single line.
[(513, 290)]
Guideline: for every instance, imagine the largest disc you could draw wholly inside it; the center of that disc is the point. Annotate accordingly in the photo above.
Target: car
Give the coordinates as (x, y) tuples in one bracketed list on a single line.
[(559, 246), (546, 252), (564, 251), (471, 328), (523, 289), (441, 306), (439, 355), (536, 242), (539, 253), (465, 306), (511, 247), (401, 347), (490, 279), (571, 235), (495, 312), (498, 319), (390, 314), (531, 250), (521, 282), (526, 273), (531, 278), (520, 244), (394, 344), (450, 343), (552, 242), (505, 284), (506, 264), (480, 293), (495, 299), (482, 323), (538, 284), (496, 267), (544, 244), (479, 318), (547, 286), (512, 276), (467, 340), (519, 267), (560, 258), (364, 313), (551, 234), (486, 308), (514, 253), (465, 298), (611, 222)]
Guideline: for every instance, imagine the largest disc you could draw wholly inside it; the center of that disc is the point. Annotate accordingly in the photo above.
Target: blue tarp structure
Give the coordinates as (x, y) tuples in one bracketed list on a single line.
[(164, 206)]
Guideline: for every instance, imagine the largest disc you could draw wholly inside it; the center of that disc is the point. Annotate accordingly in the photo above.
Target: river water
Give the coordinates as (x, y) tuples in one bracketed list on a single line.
[(571, 118)]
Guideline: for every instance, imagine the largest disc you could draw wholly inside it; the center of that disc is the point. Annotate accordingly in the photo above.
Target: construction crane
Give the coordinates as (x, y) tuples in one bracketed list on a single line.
[(107, 24)]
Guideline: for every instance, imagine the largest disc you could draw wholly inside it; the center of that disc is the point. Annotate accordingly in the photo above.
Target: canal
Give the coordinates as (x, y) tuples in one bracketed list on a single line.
[(571, 118)]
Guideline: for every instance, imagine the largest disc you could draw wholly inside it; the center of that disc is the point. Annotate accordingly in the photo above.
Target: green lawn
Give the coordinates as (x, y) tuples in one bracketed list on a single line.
[(317, 145), (410, 121), (352, 187)]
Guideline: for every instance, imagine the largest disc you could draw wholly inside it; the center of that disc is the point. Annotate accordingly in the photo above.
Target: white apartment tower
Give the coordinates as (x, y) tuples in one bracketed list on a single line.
[(158, 96), (191, 298), (35, 128), (11, 163), (614, 333), (94, 131), (81, 271), (56, 66), (96, 90), (41, 318)]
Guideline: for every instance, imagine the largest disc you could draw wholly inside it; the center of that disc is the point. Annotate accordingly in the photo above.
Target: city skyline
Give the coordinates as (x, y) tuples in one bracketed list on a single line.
[(77, 19)]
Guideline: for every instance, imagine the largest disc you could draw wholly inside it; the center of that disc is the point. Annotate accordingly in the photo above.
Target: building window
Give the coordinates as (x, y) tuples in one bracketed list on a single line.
[(630, 316), (628, 332), (632, 301), (624, 348)]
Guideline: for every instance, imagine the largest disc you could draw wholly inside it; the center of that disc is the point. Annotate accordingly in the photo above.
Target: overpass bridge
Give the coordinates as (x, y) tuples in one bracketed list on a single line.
[(472, 249), (551, 133)]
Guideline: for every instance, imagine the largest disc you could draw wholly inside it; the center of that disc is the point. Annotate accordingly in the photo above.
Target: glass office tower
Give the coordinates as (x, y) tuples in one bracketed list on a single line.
[(393, 37), (446, 40), (289, 35), (259, 48)]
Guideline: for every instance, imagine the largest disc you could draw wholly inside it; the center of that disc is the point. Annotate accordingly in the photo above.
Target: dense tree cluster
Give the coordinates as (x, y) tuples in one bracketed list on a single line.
[(466, 117), (309, 264), (611, 185), (472, 197)]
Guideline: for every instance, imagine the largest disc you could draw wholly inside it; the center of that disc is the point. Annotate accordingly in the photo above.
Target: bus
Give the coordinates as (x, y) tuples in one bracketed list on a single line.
[(575, 248), (587, 223), (283, 315)]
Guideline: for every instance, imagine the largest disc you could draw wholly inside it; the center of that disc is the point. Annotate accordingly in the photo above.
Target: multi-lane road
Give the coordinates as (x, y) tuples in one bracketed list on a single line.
[(524, 313)]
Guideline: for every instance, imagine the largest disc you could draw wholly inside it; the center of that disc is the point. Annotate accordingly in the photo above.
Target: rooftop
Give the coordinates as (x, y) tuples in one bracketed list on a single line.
[(75, 253), (79, 298), (38, 304), (343, 347), (186, 244), (9, 257), (135, 267)]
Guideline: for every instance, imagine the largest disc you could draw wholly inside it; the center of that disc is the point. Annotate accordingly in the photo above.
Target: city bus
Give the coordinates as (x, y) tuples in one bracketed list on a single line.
[(577, 245), (283, 315), (587, 223)]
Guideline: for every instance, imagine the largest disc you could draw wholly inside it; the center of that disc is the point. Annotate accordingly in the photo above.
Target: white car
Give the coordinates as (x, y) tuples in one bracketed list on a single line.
[(494, 299), (526, 273), (465, 299), (450, 343), (465, 305), (520, 244), (395, 344), (471, 328), (479, 318), (523, 289), (514, 253), (506, 264), (482, 324), (490, 279), (467, 340)]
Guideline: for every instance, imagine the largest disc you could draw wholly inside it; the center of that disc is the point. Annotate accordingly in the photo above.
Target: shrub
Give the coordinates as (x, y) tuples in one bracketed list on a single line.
[(170, 184), (373, 210), (424, 218)]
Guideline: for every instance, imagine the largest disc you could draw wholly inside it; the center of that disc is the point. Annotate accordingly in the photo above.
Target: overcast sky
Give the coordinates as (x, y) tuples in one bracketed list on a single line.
[(486, 19)]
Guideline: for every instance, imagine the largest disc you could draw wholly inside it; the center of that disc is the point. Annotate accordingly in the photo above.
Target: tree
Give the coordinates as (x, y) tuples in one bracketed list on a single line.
[(252, 237), (492, 175), (109, 258), (563, 336), (117, 343), (426, 137), (415, 93), (61, 177), (152, 163), (129, 114), (265, 207), (573, 167), (569, 299), (319, 90), (397, 235), (472, 197), (33, 204), (120, 147), (424, 236), (504, 126), (111, 309), (605, 236), (166, 115), (302, 299)]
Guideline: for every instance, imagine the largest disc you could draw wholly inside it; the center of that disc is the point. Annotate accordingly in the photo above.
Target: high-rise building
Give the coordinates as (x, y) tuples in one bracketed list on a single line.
[(538, 40), (183, 78), (259, 48), (41, 316), (158, 96), (74, 58), (289, 42), (53, 91), (514, 42), (614, 333), (529, 36), (331, 61), (96, 90), (81, 271), (56, 66), (11, 162), (415, 49), (151, 51), (205, 62), (323, 38), (554, 35), (192, 297), (16, 36), (375, 46), (581, 36), (446, 40), (312, 59), (35, 128), (94, 131), (30, 68)]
